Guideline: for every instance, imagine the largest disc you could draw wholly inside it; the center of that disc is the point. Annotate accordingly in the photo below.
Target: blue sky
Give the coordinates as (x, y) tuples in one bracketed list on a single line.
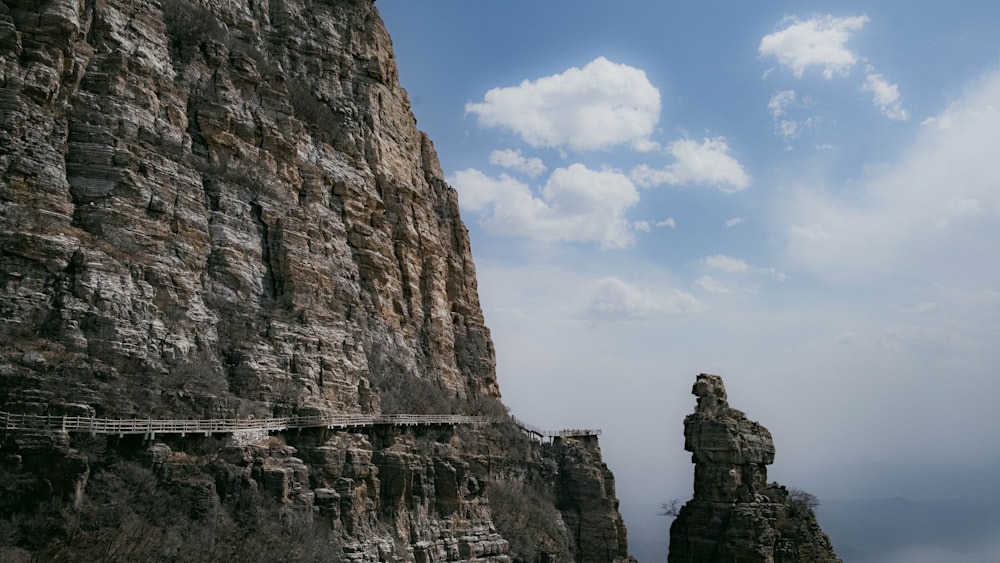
[(802, 197)]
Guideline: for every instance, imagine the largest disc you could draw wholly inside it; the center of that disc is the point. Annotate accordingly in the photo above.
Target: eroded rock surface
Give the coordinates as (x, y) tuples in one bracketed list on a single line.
[(222, 209), (586, 497), (735, 515)]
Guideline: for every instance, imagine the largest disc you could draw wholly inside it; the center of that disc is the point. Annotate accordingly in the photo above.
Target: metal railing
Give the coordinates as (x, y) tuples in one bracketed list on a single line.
[(564, 433), (151, 427)]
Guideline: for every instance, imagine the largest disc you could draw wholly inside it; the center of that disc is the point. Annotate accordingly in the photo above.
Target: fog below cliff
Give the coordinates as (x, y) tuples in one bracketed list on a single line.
[(888, 513), (879, 513), (895, 530), (937, 555), (842, 430)]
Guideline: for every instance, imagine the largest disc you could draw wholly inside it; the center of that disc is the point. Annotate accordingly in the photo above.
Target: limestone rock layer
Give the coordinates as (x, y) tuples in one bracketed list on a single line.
[(222, 208), (736, 515)]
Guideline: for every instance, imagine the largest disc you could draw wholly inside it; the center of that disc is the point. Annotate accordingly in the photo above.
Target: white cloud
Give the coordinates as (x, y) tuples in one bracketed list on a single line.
[(929, 211), (818, 41), (709, 284), (668, 222), (787, 129), (642, 226), (787, 125), (726, 263), (780, 101), (514, 160), (731, 265), (616, 299), (477, 191), (598, 106), (576, 205), (808, 233), (645, 145), (773, 273), (958, 208), (780, 104), (885, 95), (733, 221), (708, 163)]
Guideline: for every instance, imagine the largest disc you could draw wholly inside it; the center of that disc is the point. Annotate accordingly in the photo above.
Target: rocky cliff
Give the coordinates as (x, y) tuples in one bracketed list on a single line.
[(225, 209), (220, 210), (735, 514)]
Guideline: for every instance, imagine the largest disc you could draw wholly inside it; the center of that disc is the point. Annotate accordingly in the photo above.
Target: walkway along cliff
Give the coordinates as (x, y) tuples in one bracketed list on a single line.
[(224, 211), (736, 515)]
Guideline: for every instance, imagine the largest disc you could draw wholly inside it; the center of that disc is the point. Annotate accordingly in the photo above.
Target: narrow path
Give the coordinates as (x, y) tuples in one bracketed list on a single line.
[(151, 427)]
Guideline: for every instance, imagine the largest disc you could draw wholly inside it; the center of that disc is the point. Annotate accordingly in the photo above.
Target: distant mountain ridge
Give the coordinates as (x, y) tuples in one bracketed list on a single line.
[(877, 530), (895, 512), (915, 481)]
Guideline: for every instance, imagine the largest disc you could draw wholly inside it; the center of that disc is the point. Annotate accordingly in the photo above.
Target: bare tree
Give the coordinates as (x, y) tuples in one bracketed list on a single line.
[(671, 509), (802, 502)]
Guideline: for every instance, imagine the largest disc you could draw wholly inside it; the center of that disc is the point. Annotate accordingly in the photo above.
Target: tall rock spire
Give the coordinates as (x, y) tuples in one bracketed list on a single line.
[(735, 514)]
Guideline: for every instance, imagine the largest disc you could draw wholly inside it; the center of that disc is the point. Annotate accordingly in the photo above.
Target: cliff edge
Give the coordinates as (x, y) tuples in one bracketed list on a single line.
[(735, 514), (225, 210)]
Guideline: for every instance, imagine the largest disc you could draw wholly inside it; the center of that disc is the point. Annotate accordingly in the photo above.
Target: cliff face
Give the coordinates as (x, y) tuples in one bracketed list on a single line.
[(225, 209), (735, 514)]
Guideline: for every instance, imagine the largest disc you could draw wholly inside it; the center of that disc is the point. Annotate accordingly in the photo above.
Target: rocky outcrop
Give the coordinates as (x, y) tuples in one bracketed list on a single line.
[(587, 500), (418, 494), (225, 209), (735, 514)]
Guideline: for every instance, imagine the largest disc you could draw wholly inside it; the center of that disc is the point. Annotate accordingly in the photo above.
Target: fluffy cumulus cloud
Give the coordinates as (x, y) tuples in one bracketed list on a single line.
[(936, 208), (885, 95), (477, 192), (598, 106), (514, 160), (706, 163), (669, 223), (576, 204), (822, 42), (819, 41), (615, 299)]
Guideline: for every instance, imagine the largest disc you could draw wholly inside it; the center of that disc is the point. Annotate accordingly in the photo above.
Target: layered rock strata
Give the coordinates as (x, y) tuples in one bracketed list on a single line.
[(222, 208), (736, 515), (586, 498), (225, 209), (423, 495)]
